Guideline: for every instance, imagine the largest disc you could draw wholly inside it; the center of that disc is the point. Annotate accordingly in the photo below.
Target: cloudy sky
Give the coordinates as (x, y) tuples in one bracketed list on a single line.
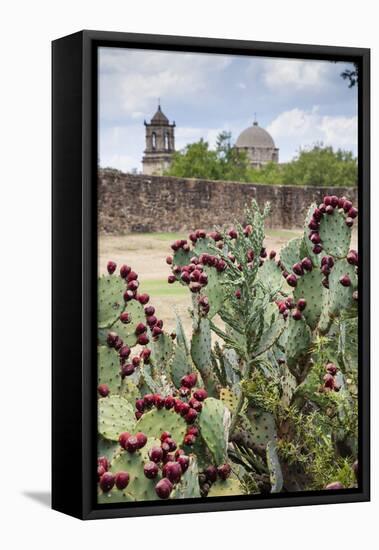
[(298, 102)]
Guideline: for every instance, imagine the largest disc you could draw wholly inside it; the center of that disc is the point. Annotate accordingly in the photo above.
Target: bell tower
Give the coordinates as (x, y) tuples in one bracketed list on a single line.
[(160, 144)]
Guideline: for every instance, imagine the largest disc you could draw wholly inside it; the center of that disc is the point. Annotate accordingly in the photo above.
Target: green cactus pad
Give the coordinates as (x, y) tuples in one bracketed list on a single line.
[(107, 448), (181, 257), (154, 422), (213, 290), (288, 385), (310, 287), (298, 341), (202, 246), (341, 297), (290, 254), (108, 368), (110, 290), (140, 487), (227, 488), (229, 399), (276, 476), (262, 426), (115, 415), (189, 483), (127, 331), (114, 497), (269, 337), (181, 338), (162, 349), (213, 419), (271, 276), (201, 348), (179, 366), (307, 245), (335, 234)]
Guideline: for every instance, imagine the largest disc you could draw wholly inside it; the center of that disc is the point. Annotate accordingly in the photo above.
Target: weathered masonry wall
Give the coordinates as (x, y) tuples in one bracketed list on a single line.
[(131, 203)]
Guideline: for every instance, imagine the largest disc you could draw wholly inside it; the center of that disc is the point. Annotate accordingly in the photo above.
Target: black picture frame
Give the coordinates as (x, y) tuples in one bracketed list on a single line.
[(74, 270)]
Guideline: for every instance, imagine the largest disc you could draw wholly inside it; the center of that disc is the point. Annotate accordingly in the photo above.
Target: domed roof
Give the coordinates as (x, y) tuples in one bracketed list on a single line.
[(255, 136)]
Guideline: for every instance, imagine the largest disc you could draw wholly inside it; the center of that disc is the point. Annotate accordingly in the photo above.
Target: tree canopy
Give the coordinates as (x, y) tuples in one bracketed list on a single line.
[(319, 166)]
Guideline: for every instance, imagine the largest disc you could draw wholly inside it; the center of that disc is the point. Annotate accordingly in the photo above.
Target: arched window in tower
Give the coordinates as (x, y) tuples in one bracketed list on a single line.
[(166, 141), (154, 140)]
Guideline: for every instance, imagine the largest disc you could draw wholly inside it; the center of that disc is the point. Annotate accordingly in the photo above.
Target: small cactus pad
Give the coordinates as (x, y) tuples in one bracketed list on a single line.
[(162, 349), (271, 275), (115, 415), (297, 341), (290, 254), (201, 348), (310, 287), (229, 398), (155, 422), (306, 249), (181, 338), (108, 368), (262, 426), (127, 331), (129, 391), (227, 488), (110, 291), (189, 484), (288, 384), (213, 290), (212, 425), (179, 366), (335, 234), (276, 476), (341, 297)]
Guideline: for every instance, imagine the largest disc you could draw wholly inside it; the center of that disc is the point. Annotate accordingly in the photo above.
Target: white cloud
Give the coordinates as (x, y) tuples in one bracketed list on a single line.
[(300, 128), (289, 75)]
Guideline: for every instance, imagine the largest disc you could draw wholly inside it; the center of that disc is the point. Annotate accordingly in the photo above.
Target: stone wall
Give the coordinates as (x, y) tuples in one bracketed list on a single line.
[(138, 203)]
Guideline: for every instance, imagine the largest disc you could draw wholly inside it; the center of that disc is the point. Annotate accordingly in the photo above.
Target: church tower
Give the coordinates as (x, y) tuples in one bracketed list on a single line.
[(160, 144)]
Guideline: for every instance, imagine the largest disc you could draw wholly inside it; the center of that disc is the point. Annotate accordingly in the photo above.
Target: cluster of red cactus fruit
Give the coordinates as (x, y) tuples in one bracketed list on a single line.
[(187, 409), (285, 306), (327, 207), (193, 274), (330, 383), (210, 475), (299, 269), (107, 480)]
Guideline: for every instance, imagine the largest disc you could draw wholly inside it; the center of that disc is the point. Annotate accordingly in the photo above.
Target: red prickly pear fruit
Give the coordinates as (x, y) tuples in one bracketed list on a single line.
[(138, 414), (298, 269), (178, 452), (143, 299), (313, 225), (160, 323), (170, 443), (282, 307), (195, 275), (167, 457), (149, 311), (127, 370), (345, 280), (184, 391), (238, 294), (349, 222), (111, 339), (118, 343), (322, 207), (123, 438), (327, 200), (103, 390), (141, 439), (173, 471), (140, 328), (331, 368), (124, 271), (128, 295), (122, 480), (143, 339), (111, 267), (325, 269), (145, 355), (329, 381), (163, 488), (100, 472), (156, 454), (347, 205), (201, 234), (125, 317), (292, 280), (317, 214), (335, 485), (250, 255), (296, 314), (307, 264), (301, 304), (183, 461), (248, 230), (329, 209), (192, 237), (107, 482), (233, 234), (352, 257), (315, 238), (159, 401), (104, 462), (169, 260), (148, 399), (171, 279), (140, 405), (150, 470), (353, 212), (132, 276), (224, 471), (221, 266), (317, 249), (200, 394), (203, 279), (263, 253), (136, 361), (178, 405), (191, 416), (169, 402), (334, 201), (325, 282), (164, 436), (211, 473), (184, 409), (132, 444), (185, 277), (193, 430), (189, 439), (272, 254), (289, 303), (195, 287), (157, 331), (189, 380), (194, 404), (124, 352)]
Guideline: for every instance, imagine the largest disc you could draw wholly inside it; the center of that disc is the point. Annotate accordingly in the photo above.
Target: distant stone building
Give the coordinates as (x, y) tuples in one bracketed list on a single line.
[(258, 145), (160, 144)]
